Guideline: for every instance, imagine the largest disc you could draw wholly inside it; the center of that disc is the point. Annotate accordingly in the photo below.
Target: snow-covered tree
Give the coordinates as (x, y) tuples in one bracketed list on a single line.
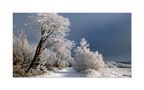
[(86, 59), (53, 28)]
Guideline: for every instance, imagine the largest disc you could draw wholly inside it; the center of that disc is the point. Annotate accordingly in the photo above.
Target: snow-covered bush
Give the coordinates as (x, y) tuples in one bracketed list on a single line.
[(59, 55), (86, 59), (22, 54), (62, 51), (55, 59), (63, 64), (22, 51)]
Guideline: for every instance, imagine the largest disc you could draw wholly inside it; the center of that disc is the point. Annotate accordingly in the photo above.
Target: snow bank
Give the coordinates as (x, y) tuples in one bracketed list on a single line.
[(113, 64)]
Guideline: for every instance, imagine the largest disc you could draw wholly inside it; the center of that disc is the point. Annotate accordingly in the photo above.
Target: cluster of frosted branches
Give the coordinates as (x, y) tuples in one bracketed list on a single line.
[(86, 59)]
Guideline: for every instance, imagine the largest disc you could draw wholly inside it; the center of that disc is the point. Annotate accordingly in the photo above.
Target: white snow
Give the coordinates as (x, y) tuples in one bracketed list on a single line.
[(103, 73), (115, 72), (67, 72)]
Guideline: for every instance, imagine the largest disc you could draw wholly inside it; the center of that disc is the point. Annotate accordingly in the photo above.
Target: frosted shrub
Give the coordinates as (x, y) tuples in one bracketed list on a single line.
[(63, 64), (59, 55), (55, 59), (62, 52), (86, 59), (22, 54)]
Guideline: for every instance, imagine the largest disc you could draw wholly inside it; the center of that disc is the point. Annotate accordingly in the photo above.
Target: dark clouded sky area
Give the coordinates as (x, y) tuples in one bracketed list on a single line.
[(109, 33)]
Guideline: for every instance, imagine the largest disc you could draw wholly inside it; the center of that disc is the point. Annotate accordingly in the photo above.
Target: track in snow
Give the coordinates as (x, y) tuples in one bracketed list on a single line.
[(68, 72)]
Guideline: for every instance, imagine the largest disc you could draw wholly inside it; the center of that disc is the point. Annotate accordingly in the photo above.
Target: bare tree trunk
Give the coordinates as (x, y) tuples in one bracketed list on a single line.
[(36, 56)]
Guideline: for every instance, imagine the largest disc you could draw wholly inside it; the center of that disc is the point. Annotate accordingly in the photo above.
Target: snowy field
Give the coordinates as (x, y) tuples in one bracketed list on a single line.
[(112, 70)]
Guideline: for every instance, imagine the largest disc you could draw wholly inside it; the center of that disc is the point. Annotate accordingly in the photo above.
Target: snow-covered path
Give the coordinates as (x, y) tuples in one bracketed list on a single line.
[(68, 72), (107, 72)]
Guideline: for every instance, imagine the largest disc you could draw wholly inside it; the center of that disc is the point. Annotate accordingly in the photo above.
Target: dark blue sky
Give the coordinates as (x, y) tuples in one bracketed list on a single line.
[(109, 33)]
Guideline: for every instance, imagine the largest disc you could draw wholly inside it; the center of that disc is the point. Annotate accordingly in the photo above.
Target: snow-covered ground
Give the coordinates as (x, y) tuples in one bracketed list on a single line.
[(113, 69), (67, 72), (107, 72), (114, 72)]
